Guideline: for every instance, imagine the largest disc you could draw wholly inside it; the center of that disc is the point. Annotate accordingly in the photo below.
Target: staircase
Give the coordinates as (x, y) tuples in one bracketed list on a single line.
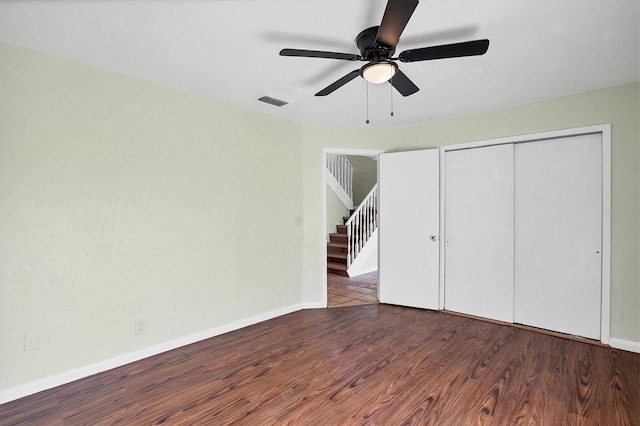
[(358, 233), (337, 250)]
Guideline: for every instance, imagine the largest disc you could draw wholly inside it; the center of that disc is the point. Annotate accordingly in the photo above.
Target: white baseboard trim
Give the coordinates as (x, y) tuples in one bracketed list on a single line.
[(313, 305), (80, 373), (627, 345)]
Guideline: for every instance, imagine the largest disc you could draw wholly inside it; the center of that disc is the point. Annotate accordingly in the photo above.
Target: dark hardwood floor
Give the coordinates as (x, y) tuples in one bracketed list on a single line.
[(359, 365)]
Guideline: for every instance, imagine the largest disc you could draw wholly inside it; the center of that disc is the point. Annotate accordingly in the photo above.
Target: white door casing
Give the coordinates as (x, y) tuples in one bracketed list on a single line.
[(408, 228)]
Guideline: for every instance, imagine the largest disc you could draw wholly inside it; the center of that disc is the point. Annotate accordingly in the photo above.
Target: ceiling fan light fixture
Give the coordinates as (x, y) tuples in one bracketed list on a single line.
[(379, 72)]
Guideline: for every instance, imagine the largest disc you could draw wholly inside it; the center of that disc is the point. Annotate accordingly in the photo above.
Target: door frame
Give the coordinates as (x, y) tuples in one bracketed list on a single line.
[(605, 131), (325, 152)]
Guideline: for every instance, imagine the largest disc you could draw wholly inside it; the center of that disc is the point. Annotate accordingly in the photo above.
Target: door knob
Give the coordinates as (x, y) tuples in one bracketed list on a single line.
[(433, 238)]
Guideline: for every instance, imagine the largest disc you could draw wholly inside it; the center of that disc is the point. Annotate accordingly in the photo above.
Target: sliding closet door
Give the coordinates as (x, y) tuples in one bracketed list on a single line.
[(479, 232), (558, 231)]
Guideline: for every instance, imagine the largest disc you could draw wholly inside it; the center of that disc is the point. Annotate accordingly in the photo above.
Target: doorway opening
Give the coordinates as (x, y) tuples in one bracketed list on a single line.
[(345, 285)]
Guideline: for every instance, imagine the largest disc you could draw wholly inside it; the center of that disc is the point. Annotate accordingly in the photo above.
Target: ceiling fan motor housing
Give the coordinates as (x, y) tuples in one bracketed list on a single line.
[(369, 49)]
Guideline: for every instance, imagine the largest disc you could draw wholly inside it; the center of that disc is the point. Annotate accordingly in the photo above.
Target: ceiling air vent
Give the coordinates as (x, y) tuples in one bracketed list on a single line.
[(272, 101)]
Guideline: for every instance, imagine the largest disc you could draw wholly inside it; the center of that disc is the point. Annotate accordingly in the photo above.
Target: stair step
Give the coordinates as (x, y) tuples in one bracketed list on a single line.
[(342, 262), (342, 229), (336, 250), (336, 266), (333, 244), (337, 237), (337, 255)]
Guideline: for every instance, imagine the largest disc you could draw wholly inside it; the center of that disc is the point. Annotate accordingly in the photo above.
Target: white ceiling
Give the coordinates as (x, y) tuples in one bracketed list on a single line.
[(228, 50)]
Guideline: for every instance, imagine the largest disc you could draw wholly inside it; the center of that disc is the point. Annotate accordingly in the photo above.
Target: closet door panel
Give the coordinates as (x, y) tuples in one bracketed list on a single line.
[(479, 232), (558, 234), (409, 214)]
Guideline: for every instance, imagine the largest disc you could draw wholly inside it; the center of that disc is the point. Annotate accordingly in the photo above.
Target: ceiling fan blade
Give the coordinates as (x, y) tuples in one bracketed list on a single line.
[(338, 83), (456, 50), (395, 18), (320, 54), (403, 85)]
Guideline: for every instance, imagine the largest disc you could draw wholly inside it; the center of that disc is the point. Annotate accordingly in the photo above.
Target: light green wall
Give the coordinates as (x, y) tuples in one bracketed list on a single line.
[(365, 176), (617, 105), (120, 200), (336, 211)]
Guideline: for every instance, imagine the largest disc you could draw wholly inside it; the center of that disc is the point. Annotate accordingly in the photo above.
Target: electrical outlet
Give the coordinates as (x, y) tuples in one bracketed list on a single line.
[(31, 341), (298, 220), (140, 326)]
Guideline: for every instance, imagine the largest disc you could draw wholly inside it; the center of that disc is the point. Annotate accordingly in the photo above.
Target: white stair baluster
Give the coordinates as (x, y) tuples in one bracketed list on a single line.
[(361, 225), (348, 244)]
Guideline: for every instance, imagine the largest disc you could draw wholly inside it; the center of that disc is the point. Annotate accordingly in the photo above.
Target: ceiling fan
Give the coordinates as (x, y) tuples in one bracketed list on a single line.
[(377, 46)]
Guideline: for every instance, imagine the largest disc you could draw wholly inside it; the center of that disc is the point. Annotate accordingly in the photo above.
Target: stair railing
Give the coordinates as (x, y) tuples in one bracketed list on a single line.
[(361, 225), (341, 169)]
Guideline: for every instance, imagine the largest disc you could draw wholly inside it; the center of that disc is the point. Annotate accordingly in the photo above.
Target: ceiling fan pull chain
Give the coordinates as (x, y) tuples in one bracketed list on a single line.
[(367, 83), (391, 94)]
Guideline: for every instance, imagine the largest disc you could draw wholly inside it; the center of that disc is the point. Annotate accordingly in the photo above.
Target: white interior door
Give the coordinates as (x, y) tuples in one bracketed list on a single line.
[(409, 206), (558, 228), (479, 232)]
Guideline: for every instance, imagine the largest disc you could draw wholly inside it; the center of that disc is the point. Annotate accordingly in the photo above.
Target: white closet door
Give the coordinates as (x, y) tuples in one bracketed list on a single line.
[(409, 190), (479, 232), (558, 231)]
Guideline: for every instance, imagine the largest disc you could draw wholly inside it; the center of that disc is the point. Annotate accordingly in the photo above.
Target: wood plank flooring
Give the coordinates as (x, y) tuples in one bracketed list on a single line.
[(352, 291), (359, 365)]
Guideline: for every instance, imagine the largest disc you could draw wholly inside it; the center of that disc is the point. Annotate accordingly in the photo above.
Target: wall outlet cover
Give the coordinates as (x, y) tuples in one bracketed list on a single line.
[(140, 326)]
